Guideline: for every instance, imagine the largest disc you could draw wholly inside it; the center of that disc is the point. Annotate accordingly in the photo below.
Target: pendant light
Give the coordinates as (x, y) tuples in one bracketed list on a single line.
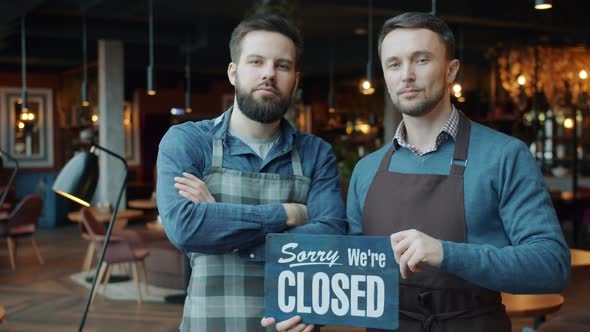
[(366, 86), (543, 4), (187, 77), (23, 54), (85, 102), (457, 87), (150, 69), (331, 108)]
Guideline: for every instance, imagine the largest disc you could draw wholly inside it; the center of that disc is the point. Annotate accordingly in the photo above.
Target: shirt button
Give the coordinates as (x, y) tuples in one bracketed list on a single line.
[(251, 255)]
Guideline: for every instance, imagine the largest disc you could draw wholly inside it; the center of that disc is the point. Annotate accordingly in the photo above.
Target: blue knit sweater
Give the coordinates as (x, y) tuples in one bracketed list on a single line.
[(514, 241)]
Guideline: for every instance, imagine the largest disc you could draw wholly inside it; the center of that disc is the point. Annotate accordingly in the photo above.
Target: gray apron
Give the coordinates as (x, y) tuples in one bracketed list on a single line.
[(226, 293), (432, 300)]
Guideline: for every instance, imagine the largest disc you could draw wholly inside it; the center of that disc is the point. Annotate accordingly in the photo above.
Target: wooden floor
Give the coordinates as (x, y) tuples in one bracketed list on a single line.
[(42, 298)]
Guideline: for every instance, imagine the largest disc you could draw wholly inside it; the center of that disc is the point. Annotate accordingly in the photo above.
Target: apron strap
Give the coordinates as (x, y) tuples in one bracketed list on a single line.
[(217, 160), (384, 166), (459, 161), (296, 162)]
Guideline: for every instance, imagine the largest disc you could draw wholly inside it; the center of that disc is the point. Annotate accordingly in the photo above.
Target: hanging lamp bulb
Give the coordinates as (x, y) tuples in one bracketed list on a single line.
[(331, 108), (85, 102), (23, 35), (366, 86), (151, 90), (187, 76), (543, 4)]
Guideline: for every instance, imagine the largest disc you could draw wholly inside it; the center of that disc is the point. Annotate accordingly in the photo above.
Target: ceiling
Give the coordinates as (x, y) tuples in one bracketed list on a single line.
[(54, 30)]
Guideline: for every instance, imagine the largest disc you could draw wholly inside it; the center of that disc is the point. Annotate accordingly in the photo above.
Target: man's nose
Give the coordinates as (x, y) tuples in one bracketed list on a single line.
[(408, 74), (268, 71)]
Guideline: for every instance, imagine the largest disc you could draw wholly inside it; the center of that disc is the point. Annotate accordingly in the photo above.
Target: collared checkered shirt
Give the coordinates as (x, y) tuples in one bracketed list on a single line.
[(449, 130)]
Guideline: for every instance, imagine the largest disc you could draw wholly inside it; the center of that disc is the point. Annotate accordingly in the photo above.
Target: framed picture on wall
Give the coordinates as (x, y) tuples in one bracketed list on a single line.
[(27, 134)]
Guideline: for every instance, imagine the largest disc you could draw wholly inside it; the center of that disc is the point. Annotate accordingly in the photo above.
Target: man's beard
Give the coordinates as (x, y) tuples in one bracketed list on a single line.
[(265, 110), (418, 108)]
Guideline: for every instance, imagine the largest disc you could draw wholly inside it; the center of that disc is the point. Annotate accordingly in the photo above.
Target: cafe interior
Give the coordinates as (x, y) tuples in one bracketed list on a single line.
[(89, 87)]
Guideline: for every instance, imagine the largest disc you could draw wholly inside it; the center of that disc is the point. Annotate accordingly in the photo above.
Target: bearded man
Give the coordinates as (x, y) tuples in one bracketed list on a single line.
[(223, 184)]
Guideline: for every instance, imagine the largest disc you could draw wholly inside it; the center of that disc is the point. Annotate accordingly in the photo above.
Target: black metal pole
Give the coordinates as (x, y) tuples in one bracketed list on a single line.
[(5, 193), (107, 236)]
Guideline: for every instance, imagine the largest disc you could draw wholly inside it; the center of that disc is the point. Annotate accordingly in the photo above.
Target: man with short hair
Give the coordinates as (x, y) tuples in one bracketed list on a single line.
[(224, 184), (466, 207)]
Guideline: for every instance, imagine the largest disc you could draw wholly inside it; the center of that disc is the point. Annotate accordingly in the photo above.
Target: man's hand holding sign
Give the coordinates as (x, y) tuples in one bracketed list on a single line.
[(336, 280), (412, 248)]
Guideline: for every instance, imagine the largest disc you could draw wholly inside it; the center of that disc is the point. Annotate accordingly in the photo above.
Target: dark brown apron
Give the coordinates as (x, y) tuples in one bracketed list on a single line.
[(432, 300)]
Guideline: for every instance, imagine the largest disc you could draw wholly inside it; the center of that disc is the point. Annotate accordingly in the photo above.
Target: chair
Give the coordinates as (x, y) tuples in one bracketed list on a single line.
[(21, 222), (125, 246), (89, 256)]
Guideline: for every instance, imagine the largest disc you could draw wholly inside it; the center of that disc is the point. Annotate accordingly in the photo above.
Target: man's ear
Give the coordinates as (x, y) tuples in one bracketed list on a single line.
[(453, 70), (231, 73)]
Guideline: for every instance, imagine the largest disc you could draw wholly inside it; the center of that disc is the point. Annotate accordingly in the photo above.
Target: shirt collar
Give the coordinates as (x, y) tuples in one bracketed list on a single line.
[(220, 129), (449, 130)]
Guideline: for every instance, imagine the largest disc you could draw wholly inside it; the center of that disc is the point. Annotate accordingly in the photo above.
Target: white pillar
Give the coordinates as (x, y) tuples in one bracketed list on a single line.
[(110, 118)]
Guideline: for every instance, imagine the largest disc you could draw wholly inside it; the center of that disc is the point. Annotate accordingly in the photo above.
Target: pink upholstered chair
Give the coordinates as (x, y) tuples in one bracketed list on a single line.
[(21, 222), (125, 246)]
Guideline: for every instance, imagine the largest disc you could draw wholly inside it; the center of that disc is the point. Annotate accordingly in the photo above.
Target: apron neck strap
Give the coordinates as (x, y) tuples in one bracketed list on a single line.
[(384, 166), (296, 161), (217, 160), (459, 161)]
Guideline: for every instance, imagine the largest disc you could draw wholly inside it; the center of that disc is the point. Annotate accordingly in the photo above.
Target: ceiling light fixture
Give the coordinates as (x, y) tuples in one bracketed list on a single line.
[(150, 69), (331, 108), (457, 87), (543, 4), (85, 102), (23, 55), (187, 76), (366, 86)]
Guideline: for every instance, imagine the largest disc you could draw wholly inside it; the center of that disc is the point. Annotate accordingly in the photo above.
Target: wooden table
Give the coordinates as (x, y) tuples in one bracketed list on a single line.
[(143, 204), (580, 258), (121, 220), (536, 306), (155, 226)]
